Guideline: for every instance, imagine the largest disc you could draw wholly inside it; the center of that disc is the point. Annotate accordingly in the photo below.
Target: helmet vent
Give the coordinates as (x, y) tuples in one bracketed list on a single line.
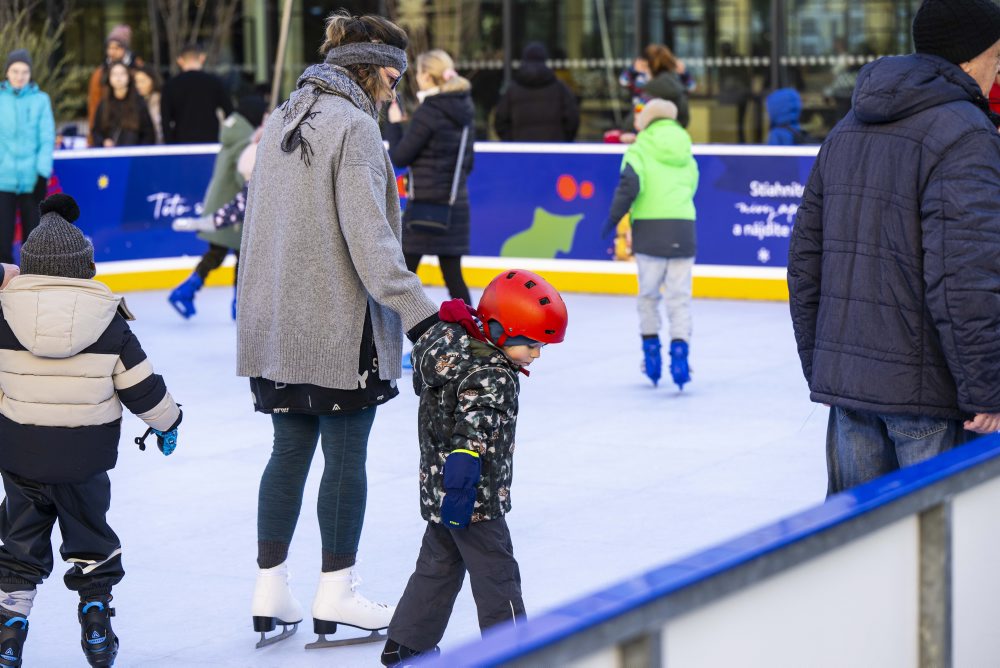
[(550, 331), (530, 284), (544, 301), (511, 275)]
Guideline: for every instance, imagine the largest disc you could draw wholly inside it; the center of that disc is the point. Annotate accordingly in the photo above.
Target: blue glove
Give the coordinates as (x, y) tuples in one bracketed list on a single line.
[(166, 441), (461, 475)]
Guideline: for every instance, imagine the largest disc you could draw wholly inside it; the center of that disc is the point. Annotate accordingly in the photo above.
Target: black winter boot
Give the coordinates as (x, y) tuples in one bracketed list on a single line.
[(13, 632), (100, 644)]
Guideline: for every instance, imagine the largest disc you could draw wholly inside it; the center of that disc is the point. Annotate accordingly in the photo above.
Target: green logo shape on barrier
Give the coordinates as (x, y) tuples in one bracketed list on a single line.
[(548, 234)]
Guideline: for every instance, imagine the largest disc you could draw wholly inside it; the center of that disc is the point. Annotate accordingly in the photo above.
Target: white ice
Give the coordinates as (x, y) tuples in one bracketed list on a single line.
[(612, 477)]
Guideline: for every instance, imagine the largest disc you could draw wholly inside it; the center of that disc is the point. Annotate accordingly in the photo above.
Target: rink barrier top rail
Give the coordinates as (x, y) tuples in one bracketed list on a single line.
[(624, 612)]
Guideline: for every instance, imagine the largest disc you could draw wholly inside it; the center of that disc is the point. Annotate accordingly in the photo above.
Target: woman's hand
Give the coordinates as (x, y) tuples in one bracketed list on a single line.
[(395, 112), (109, 143)]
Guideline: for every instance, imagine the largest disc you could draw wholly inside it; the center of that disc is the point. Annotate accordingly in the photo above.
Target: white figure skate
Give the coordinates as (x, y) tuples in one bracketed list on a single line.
[(338, 602), (273, 604)]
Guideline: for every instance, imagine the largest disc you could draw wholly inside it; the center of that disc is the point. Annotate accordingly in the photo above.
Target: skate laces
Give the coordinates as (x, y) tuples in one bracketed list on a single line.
[(355, 583)]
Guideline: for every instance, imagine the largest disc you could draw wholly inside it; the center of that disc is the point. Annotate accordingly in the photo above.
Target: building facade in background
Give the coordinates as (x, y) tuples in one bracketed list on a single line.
[(729, 47)]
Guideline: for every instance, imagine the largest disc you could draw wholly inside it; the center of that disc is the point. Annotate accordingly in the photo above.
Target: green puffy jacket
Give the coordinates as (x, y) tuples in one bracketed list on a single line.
[(27, 138), (668, 175), (234, 135)]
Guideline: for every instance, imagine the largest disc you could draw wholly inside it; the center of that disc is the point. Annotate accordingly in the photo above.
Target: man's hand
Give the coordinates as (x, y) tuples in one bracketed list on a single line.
[(984, 423)]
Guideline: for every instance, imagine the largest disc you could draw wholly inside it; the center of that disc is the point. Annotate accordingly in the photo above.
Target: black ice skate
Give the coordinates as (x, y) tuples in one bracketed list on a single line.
[(100, 644), (395, 655), (13, 631)]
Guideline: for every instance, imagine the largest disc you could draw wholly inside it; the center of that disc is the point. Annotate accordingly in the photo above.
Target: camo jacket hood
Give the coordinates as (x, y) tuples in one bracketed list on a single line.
[(468, 400)]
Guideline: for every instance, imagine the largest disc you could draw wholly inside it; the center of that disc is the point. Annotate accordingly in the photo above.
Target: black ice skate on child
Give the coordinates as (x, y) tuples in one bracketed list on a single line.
[(13, 632), (397, 656), (100, 644)]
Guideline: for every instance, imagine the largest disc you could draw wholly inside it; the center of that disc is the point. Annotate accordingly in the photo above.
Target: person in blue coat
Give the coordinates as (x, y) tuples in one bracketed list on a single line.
[(27, 140), (892, 269), (784, 109)]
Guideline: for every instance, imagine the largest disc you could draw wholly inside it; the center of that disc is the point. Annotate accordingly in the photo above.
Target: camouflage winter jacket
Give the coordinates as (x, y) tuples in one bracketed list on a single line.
[(468, 400)]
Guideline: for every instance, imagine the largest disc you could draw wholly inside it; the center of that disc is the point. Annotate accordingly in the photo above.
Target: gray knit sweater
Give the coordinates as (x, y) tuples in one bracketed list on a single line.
[(321, 241)]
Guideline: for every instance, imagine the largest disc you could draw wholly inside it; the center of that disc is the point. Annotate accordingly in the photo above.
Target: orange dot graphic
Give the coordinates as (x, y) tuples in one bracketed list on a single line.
[(566, 187), (586, 190)]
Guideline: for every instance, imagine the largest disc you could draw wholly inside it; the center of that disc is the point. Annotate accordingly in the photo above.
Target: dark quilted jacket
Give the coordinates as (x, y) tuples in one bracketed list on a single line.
[(468, 400), (537, 107), (894, 265), (429, 148)]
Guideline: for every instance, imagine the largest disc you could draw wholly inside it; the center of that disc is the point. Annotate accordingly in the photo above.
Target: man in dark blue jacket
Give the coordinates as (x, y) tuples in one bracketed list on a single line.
[(893, 272)]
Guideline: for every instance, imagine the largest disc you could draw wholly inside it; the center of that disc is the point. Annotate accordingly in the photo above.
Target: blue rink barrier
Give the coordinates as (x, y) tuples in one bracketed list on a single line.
[(539, 206), (898, 572)]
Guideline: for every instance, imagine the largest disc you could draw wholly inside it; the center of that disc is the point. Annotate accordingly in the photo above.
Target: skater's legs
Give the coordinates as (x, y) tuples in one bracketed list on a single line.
[(26, 519), (88, 542), (412, 261), (280, 497), (30, 215), (678, 297), (343, 491), (211, 260), (8, 219), (422, 613), (451, 270), (652, 271), (493, 572)]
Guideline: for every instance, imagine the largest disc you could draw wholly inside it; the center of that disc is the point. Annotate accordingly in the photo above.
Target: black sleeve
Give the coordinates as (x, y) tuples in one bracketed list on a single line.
[(147, 134), (167, 116), (625, 194), (225, 102), (805, 261), (502, 120), (413, 141), (97, 134), (571, 113)]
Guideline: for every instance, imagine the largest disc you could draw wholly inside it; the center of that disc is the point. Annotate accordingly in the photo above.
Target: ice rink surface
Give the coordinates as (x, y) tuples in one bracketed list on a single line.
[(612, 477)]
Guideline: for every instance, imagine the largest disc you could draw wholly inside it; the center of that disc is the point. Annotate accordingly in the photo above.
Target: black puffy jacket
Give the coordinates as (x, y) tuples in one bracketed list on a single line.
[(537, 107), (893, 270), (429, 148)]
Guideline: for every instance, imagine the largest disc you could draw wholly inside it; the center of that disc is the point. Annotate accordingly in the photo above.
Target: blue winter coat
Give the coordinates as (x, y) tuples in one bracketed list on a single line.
[(784, 108), (893, 270), (27, 137)]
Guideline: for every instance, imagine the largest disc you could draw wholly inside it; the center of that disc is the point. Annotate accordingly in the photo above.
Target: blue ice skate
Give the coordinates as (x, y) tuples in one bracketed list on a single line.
[(679, 362), (652, 364), (182, 298)]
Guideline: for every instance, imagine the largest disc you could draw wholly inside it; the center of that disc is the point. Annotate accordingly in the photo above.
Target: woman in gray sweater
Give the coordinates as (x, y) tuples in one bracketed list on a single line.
[(324, 298)]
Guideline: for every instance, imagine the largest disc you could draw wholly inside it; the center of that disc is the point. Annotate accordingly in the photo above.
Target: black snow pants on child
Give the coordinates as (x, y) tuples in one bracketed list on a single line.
[(485, 550), (88, 543)]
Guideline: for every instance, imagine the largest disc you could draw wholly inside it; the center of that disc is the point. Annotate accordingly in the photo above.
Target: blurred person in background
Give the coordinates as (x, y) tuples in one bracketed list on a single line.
[(27, 140), (122, 118), (148, 84), (117, 49), (430, 148), (192, 100), (537, 106)]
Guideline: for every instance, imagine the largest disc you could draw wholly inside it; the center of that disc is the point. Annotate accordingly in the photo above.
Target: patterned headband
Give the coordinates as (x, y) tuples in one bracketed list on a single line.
[(368, 53)]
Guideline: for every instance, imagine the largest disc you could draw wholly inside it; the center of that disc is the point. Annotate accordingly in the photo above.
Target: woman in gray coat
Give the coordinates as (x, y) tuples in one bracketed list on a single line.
[(324, 298)]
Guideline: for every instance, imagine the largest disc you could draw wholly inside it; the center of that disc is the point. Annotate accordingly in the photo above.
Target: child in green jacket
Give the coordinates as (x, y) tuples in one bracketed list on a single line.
[(659, 178)]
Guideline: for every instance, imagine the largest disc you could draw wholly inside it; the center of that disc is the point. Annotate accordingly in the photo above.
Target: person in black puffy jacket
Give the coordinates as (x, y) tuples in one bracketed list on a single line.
[(430, 149), (537, 106), (892, 270)]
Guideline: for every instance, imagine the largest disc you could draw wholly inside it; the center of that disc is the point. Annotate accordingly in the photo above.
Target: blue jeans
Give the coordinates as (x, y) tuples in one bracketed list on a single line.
[(343, 489), (861, 446)]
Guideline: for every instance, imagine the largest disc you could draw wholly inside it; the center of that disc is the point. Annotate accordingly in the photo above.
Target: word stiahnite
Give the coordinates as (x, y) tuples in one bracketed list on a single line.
[(776, 189)]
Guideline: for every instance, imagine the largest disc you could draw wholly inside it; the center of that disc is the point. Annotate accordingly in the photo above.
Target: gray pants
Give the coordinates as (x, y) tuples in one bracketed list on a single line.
[(485, 549), (673, 276)]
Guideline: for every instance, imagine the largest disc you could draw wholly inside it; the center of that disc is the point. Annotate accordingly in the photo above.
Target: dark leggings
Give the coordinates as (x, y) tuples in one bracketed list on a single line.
[(343, 489), (9, 205), (451, 269), (213, 259)]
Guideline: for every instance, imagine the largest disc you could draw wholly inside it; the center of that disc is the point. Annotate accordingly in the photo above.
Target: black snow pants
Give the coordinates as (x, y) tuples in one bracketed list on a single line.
[(88, 543), (485, 550)]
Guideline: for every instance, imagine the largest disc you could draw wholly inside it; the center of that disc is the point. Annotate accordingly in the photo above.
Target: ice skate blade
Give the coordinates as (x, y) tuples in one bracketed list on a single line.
[(285, 633), (322, 642)]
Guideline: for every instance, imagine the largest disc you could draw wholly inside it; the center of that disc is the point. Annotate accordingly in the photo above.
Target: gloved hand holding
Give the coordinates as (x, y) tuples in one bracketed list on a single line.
[(461, 475), (166, 441), (41, 188)]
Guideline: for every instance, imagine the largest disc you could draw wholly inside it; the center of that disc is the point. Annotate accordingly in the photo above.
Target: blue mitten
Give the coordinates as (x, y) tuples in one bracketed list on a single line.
[(166, 441), (461, 475)]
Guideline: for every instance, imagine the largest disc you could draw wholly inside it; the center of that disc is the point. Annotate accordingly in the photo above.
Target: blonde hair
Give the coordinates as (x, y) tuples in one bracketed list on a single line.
[(441, 68), (342, 27)]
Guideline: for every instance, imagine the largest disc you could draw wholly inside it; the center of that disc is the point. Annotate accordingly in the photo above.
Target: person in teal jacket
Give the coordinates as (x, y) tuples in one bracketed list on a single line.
[(659, 178), (27, 140)]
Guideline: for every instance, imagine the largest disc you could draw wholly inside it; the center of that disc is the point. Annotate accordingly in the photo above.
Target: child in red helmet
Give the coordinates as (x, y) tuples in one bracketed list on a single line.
[(466, 370)]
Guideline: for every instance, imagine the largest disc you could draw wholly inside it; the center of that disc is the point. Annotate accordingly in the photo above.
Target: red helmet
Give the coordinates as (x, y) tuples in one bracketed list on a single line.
[(524, 304)]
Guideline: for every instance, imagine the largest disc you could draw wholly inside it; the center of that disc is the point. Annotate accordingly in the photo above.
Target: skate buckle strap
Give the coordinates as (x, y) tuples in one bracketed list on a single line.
[(16, 620)]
